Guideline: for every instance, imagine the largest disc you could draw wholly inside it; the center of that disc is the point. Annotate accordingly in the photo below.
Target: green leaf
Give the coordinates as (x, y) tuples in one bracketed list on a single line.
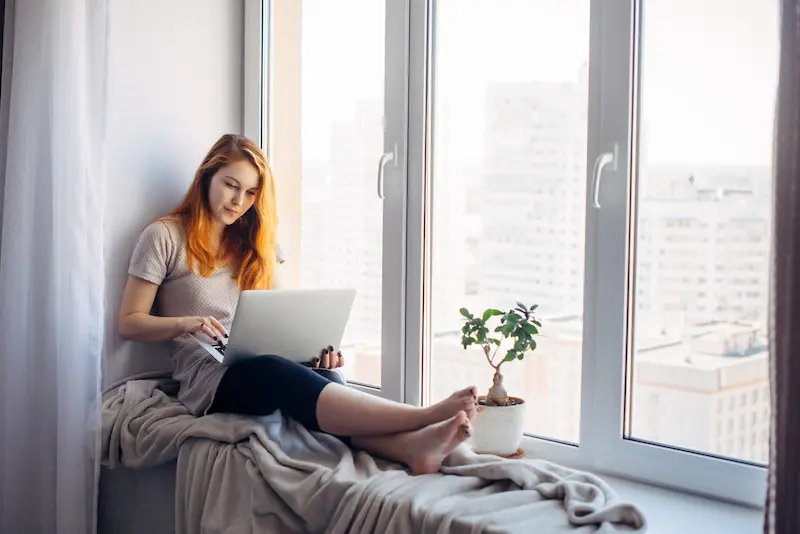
[(533, 344), (537, 323), (512, 318), (491, 312), (510, 356), (533, 308), (530, 329), (507, 329), (521, 356), (522, 306), (495, 342), (465, 313)]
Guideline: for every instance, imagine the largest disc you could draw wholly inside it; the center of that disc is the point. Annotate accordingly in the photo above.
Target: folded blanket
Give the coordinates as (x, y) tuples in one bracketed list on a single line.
[(243, 475)]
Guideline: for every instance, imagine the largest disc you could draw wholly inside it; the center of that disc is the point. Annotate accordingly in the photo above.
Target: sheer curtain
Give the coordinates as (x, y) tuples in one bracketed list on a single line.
[(52, 117)]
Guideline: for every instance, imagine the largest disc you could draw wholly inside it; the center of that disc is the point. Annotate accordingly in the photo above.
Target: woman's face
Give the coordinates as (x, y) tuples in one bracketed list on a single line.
[(232, 191)]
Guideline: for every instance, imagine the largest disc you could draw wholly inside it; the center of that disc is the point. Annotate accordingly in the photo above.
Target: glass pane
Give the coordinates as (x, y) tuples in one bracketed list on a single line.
[(342, 139), (508, 204), (703, 221)]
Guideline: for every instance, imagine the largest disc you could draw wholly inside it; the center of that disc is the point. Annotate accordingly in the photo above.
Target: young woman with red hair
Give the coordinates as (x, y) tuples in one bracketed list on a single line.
[(189, 268)]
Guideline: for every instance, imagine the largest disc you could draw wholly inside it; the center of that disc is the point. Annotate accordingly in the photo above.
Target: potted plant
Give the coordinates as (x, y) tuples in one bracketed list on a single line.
[(497, 429)]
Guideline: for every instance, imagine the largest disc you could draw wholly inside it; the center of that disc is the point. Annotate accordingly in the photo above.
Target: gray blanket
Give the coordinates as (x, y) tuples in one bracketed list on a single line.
[(242, 475)]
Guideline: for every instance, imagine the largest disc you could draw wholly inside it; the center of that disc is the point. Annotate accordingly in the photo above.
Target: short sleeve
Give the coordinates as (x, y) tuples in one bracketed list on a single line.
[(153, 254)]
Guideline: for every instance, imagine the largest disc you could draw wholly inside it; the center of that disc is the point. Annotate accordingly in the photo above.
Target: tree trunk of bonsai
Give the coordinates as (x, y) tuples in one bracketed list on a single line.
[(497, 396)]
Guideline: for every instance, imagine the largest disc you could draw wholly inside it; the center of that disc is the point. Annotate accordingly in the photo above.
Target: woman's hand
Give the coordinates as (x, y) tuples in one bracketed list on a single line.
[(206, 325), (329, 358)]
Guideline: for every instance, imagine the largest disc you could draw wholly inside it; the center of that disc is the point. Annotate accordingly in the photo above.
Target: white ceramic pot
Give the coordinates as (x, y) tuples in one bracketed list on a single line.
[(498, 429)]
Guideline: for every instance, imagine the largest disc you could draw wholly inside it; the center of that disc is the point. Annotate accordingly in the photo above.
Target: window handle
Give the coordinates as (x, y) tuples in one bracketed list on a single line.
[(386, 157), (603, 160)]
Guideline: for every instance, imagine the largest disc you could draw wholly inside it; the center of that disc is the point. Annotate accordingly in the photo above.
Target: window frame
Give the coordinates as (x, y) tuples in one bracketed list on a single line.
[(607, 344), (615, 33), (274, 70)]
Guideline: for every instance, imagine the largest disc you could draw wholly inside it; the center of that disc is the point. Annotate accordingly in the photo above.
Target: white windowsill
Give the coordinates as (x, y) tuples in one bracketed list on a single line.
[(672, 512)]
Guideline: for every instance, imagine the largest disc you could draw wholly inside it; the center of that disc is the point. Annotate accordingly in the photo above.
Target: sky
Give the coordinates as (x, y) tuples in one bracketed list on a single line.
[(709, 69)]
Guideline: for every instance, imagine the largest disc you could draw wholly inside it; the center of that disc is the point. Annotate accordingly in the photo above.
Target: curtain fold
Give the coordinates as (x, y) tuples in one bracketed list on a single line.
[(52, 106), (782, 513)]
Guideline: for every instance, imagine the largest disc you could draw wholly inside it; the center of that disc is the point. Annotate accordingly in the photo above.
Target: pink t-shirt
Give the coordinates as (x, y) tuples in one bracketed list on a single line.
[(160, 258)]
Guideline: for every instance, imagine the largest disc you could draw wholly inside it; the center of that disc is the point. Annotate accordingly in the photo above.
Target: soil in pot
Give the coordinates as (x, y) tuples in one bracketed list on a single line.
[(512, 401)]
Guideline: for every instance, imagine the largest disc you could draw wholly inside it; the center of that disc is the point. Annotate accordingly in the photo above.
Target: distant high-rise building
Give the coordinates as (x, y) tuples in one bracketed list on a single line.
[(533, 196), (702, 246)]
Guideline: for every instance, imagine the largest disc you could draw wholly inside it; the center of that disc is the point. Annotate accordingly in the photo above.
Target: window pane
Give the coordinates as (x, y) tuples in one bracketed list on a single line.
[(342, 110), (703, 225), (508, 195)]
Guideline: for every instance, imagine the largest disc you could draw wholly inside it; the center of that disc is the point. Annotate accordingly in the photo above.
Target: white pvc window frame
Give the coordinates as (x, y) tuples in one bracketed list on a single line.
[(260, 18), (410, 46)]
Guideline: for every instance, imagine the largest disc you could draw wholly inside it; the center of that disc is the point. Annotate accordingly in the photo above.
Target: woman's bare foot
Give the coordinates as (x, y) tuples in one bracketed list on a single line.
[(426, 449), (465, 400)]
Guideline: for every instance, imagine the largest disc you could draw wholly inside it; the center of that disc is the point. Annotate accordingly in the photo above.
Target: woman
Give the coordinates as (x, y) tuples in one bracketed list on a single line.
[(192, 265)]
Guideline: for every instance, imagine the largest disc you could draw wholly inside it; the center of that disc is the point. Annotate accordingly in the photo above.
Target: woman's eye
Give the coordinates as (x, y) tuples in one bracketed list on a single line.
[(251, 194)]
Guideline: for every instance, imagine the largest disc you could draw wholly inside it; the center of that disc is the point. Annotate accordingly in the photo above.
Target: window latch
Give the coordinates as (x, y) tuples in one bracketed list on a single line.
[(603, 160), (386, 157)]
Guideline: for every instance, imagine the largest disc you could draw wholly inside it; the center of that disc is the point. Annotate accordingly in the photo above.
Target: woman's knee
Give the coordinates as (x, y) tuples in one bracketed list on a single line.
[(332, 375)]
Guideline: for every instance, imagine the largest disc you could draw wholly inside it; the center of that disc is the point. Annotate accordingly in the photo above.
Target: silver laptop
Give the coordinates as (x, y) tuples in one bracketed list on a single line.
[(293, 323)]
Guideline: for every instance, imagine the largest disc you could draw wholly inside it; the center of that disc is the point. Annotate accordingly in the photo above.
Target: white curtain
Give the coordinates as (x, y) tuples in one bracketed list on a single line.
[(52, 120)]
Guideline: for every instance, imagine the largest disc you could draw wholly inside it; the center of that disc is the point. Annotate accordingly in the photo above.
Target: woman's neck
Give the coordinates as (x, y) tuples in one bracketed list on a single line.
[(217, 232)]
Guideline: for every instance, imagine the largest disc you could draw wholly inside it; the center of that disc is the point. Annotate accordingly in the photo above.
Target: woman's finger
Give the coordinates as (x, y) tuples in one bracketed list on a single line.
[(218, 325), (326, 359), (207, 330), (340, 359)]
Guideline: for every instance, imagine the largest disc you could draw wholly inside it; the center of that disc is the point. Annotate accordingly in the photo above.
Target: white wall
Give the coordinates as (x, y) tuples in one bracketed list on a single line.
[(175, 86)]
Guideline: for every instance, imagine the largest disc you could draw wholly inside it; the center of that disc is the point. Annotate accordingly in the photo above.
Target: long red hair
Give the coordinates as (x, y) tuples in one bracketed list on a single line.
[(251, 242)]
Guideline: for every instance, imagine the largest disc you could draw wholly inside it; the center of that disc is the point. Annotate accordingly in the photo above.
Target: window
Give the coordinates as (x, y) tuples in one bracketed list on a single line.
[(342, 131), (325, 121), (506, 120), (650, 274), (676, 166)]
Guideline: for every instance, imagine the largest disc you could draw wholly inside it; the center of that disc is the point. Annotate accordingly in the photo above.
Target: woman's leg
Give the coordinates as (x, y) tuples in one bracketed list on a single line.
[(423, 450), (346, 411), (259, 386)]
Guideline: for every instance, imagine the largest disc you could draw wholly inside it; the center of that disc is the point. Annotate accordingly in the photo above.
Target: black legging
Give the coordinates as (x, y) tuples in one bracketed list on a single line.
[(259, 386)]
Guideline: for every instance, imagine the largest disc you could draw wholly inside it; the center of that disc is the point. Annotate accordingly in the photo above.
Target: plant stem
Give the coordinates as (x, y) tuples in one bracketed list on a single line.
[(488, 359), (496, 348)]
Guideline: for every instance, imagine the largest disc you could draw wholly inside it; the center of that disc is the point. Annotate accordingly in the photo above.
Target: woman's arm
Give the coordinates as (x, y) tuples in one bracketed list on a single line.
[(136, 322)]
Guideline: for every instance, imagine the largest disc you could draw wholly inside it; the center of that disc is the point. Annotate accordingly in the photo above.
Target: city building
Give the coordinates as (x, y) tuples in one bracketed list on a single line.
[(709, 392)]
